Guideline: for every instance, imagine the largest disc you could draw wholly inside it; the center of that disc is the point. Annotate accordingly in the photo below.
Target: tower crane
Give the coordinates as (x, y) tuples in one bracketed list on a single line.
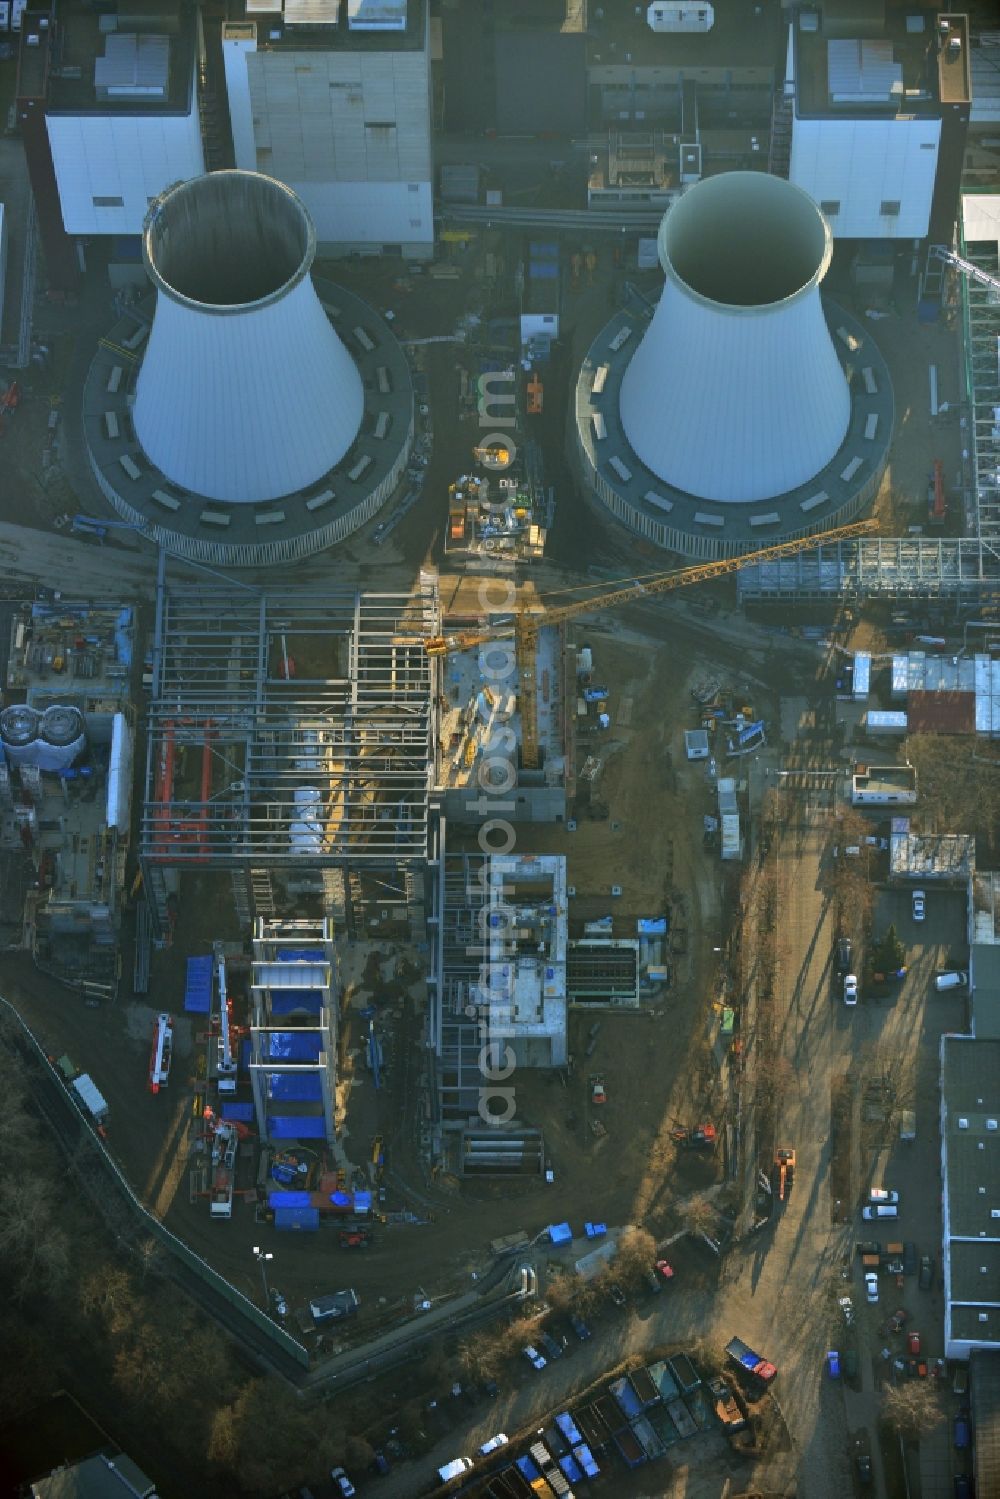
[(524, 627)]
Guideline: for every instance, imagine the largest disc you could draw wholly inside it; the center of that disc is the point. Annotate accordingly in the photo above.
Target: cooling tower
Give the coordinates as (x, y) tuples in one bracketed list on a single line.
[(19, 728), (245, 392), (736, 392)]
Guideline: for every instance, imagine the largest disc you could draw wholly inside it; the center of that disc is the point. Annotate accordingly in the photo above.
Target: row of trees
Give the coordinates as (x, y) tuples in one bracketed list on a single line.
[(100, 1319)]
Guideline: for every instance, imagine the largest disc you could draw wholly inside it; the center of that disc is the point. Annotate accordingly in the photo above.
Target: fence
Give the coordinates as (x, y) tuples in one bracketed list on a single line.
[(254, 1321)]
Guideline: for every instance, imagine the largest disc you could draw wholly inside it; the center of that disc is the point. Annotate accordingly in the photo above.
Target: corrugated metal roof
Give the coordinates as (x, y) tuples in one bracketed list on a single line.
[(941, 712), (985, 1386), (134, 66)]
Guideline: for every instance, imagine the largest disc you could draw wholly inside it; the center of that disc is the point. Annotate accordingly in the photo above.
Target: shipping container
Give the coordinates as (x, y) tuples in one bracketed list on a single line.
[(644, 1387), (651, 1444), (630, 1447), (626, 1397), (682, 1418)]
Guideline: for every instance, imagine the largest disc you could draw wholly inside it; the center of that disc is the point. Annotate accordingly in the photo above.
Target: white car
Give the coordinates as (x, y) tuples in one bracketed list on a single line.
[(919, 905), (344, 1484), (850, 989), (535, 1359), (882, 1194), (494, 1443), (871, 1286)]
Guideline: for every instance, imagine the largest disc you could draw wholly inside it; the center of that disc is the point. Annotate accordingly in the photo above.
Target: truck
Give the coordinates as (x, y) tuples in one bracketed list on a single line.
[(83, 1091), (742, 1354)]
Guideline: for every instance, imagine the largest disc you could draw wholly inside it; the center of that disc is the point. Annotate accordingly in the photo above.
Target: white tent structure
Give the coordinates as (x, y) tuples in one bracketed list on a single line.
[(736, 392), (245, 393)]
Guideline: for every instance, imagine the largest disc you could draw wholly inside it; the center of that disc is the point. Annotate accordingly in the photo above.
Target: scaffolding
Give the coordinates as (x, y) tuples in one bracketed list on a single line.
[(293, 1030), (291, 733), (981, 337)]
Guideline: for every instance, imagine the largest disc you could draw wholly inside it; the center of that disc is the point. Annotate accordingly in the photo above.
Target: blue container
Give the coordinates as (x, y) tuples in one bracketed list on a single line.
[(297, 1220), (289, 1200)]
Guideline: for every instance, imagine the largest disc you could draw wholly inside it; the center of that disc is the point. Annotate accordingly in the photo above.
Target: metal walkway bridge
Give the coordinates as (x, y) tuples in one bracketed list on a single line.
[(908, 567)]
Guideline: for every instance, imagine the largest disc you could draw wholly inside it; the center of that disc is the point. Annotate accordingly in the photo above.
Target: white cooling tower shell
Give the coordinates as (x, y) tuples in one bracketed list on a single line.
[(736, 392), (245, 392)]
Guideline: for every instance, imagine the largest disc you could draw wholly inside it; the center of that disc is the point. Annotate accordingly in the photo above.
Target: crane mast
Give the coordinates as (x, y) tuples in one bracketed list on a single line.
[(525, 625)]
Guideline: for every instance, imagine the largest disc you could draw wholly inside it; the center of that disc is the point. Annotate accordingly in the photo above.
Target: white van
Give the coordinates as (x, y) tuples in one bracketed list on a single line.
[(454, 1469), (954, 980), (881, 1210)]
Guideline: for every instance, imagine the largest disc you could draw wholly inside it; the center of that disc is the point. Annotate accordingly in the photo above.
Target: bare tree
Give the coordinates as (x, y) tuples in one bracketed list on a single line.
[(912, 1409), (698, 1215), (636, 1253)]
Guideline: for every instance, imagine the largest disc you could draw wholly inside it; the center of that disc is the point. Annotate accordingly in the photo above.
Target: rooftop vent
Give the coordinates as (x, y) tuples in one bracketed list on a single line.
[(963, 1124)]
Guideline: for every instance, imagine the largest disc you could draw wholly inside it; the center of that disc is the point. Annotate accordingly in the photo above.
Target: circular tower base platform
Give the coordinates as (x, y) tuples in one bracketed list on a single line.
[(706, 529), (253, 535)]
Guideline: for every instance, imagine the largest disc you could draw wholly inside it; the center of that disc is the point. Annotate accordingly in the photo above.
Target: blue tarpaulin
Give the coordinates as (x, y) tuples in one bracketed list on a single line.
[(300, 1127), (243, 1112), (294, 1046), (286, 1001), (560, 1233), (289, 1200), (300, 955), (296, 1220), (123, 629), (651, 926), (288, 1085), (341, 1199), (198, 989), (362, 1202)]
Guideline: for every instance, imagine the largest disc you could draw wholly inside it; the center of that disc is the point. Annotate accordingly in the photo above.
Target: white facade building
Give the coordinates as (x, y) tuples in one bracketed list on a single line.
[(342, 118), (109, 167), (122, 115)]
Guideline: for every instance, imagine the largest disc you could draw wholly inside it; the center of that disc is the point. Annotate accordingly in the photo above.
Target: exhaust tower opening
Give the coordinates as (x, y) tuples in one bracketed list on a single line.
[(744, 239), (229, 239)]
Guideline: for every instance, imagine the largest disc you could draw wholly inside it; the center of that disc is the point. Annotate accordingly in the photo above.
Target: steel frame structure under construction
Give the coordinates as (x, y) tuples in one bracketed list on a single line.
[(963, 569), (290, 731)]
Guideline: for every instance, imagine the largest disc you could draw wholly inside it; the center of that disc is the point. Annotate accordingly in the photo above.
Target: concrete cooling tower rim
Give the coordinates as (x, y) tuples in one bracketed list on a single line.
[(701, 529), (252, 534), (229, 242), (745, 243)]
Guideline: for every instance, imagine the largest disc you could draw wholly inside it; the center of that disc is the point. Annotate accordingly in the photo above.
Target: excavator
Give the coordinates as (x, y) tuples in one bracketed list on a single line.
[(525, 625), (784, 1166)]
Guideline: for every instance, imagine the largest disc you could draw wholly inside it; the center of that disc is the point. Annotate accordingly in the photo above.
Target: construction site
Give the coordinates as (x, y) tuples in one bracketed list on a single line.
[(470, 898)]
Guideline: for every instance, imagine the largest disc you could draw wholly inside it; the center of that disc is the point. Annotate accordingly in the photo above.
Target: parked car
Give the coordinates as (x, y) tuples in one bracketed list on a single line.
[(550, 1347), (579, 1327), (880, 1210), (533, 1356), (344, 1484), (664, 1269), (494, 1443), (617, 1294), (913, 1342), (653, 1281), (961, 1435), (919, 905), (955, 979), (871, 1286), (926, 1272), (844, 954), (850, 989), (963, 1486), (833, 1363), (882, 1194), (868, 1246)]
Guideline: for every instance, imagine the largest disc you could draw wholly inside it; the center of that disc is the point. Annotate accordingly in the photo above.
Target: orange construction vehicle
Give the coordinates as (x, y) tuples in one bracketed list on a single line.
[(784, 1165)]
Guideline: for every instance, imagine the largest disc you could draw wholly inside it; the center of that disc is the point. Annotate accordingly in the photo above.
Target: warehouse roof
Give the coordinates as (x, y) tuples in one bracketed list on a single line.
[(942, 712), (932, 856)]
